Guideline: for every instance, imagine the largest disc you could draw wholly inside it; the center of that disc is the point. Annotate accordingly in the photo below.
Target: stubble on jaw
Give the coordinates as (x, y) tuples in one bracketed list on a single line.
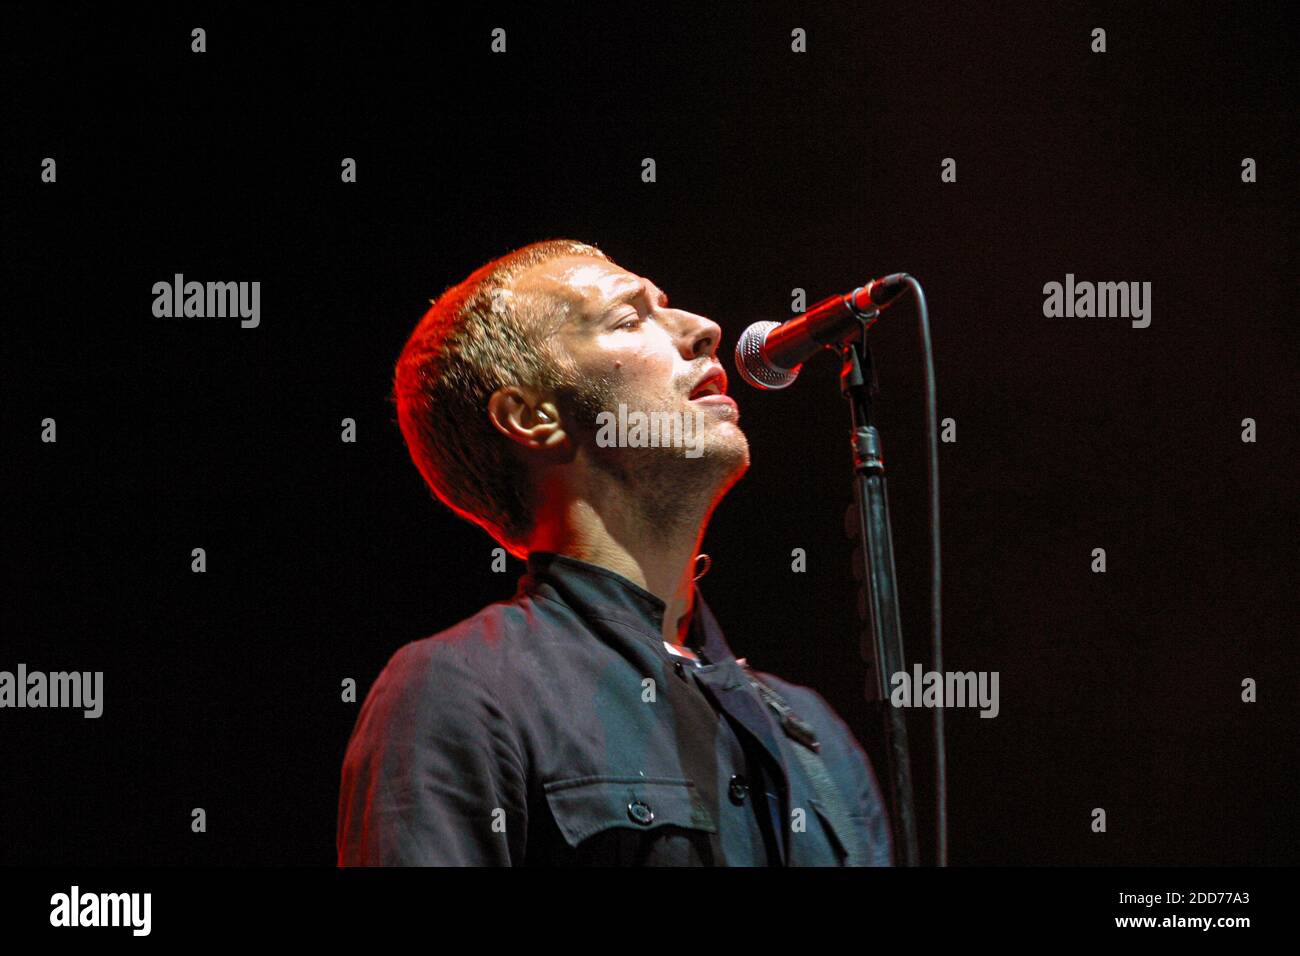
[(671, 493)]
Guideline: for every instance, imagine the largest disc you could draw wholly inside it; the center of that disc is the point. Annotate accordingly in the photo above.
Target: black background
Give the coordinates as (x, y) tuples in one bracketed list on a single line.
[(775, 170)]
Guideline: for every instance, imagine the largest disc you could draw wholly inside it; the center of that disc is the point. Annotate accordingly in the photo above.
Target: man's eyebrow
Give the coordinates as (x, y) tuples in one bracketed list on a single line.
[(632, 292)]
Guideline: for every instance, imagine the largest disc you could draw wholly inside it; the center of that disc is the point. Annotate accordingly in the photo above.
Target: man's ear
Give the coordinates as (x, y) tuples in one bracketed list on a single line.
[(525, 417)]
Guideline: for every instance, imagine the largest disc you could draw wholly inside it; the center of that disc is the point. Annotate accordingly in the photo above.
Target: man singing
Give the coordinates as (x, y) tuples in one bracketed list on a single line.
[(597, 717)]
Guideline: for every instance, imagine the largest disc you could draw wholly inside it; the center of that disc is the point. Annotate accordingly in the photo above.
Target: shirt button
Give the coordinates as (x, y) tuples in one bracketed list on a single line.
[(680, 668), (739, 789), (640, 812)]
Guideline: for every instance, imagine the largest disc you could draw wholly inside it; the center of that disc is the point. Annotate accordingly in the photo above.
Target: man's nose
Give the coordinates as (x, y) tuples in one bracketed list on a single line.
[(698, 335)]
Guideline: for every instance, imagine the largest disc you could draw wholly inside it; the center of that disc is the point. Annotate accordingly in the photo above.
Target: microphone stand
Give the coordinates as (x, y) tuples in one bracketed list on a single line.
[(882, 640)]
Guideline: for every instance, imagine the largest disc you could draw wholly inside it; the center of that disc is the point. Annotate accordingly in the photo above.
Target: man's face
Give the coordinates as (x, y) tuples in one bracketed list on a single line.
[(627, 346)]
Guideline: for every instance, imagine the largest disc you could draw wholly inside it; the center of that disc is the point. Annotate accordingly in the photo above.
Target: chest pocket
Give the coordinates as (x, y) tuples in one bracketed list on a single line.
[(633, 821)]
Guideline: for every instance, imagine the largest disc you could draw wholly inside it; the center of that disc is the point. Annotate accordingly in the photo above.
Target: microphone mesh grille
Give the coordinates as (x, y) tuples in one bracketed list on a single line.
[(753, 367)]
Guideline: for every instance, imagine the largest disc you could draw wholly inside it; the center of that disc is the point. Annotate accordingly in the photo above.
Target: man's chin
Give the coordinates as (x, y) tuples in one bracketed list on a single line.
[(726, 448), (732, 462)]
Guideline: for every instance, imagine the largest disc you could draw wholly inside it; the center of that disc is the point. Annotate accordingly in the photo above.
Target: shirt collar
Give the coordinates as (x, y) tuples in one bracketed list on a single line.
[(599, 593)]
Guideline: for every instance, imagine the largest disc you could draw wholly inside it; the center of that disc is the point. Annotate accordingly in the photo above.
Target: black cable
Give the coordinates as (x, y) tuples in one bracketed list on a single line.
[(936, 605)]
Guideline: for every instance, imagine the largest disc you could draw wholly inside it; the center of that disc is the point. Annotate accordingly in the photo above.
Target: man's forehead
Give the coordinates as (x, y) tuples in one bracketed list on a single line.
[(582, 282)]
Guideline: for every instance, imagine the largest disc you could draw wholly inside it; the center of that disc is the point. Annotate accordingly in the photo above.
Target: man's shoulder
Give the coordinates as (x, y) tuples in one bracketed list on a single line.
[(479, 648), (467, 676)]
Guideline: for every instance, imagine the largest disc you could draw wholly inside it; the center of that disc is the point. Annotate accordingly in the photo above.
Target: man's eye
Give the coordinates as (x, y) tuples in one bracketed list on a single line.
[(632, 320)]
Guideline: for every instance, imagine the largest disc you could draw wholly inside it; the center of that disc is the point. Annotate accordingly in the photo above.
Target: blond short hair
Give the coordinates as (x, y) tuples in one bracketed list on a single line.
[(474, 339)]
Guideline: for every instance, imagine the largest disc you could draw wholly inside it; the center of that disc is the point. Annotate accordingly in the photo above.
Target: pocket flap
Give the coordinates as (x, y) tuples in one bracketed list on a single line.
[(854, 847), (583, 806)]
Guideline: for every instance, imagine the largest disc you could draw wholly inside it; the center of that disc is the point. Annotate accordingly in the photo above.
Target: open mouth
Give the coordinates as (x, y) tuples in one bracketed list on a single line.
[(713, 384)]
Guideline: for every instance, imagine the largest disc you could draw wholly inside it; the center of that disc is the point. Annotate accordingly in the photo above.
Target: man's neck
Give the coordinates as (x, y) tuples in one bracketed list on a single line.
[(660, 560)]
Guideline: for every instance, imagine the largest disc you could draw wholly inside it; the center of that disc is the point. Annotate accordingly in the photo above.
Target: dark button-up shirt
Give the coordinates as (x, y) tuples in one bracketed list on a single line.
[(556, 728)]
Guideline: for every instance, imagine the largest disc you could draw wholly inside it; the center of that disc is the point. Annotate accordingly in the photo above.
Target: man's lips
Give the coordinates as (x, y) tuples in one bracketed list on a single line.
[(713, 384)]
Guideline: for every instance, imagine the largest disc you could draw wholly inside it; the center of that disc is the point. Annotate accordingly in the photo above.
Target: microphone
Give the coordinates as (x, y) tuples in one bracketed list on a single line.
[(769, 354)]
